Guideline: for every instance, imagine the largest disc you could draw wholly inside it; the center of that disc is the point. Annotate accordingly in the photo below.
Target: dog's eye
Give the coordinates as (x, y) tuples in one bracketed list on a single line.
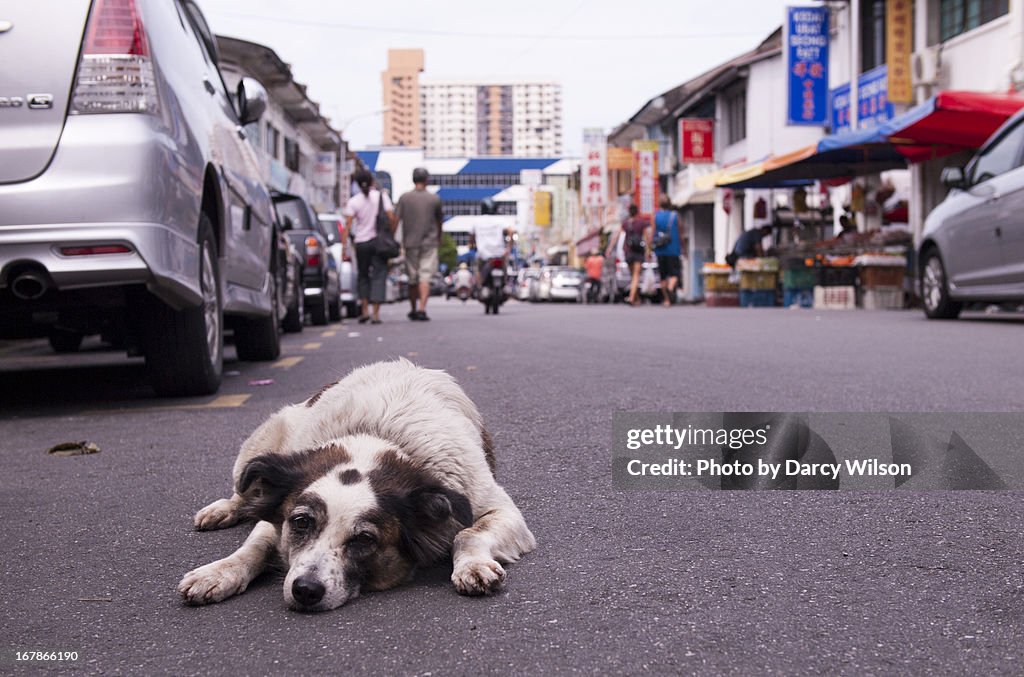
[(301, 522), (363, 539)]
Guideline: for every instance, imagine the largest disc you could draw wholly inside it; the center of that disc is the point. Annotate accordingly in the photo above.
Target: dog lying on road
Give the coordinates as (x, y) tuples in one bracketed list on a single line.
[(382, 472)]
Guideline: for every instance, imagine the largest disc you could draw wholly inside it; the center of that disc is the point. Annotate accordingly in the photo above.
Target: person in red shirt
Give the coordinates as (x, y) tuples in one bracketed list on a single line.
[(594, 267)]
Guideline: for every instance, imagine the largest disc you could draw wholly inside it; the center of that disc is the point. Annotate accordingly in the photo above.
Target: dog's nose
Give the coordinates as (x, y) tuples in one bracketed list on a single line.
[(307, 591)]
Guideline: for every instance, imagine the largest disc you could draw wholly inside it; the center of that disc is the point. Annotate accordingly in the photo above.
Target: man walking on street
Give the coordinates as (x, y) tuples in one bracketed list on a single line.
[(420, 214)]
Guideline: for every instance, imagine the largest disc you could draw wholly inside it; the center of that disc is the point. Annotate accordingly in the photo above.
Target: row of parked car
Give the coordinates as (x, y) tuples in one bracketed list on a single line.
[(132, 202)]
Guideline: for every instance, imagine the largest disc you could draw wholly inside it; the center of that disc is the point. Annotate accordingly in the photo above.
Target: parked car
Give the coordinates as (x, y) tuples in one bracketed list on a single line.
[(343, 250), (291, 300), (559, 283), (972, 248), (320, 272), (130, 205), (526, 283)]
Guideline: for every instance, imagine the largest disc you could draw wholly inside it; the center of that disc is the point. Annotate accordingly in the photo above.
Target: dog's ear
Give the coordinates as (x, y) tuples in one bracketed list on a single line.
[(264, 484), (433, 515)]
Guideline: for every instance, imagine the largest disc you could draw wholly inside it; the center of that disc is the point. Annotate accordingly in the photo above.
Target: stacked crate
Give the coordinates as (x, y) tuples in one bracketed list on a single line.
[(797, 283), (759, 279), (719, 290), (835, 285), (881, 281)]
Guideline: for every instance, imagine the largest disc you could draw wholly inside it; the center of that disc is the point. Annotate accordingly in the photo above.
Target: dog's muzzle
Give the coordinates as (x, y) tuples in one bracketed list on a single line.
[(307, 591)]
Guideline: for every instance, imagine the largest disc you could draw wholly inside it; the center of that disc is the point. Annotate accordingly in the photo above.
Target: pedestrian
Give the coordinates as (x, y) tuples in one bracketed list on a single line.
[(635, 231), (419, 212), (748, 244), (594, 267), (666, 225), (361, 221)]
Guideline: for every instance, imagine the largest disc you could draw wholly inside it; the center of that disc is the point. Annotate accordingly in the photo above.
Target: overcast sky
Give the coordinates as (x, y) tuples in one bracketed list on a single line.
[(610, 56)]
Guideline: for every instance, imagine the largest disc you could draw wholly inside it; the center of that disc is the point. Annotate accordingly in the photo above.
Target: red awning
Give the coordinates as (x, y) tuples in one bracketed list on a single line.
[(950, 121)]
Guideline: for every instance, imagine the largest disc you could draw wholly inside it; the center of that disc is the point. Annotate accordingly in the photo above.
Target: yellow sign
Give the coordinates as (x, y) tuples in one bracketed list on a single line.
[(899, 43), (620, 158), (541, 208)]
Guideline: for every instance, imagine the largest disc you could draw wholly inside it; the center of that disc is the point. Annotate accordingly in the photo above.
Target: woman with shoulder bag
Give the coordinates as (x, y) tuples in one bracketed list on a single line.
[(362, 210), (666, 245), (636, 230)]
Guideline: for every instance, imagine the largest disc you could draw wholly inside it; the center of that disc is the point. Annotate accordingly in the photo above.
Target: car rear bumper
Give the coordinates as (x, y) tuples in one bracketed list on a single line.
[(114, 179), (564, 293)]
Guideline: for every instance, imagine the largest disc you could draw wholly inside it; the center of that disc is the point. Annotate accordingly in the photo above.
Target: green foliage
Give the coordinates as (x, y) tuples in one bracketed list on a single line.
[(447, 253)]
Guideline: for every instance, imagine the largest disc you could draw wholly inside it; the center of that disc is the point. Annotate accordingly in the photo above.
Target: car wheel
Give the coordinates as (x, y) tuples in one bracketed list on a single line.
[(185, 348), (334, 310), (65, 340), (296, 312), (935, 290), (318, 312), (257, 339)]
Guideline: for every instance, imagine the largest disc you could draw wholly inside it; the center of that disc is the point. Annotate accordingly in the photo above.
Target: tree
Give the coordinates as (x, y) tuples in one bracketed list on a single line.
[(447, 252)]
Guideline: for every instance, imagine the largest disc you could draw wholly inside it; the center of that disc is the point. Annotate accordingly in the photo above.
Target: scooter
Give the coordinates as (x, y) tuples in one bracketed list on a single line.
[(492, 286)]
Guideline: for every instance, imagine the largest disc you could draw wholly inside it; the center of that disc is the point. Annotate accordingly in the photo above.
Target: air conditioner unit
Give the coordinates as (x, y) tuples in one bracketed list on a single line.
[(928, 69)]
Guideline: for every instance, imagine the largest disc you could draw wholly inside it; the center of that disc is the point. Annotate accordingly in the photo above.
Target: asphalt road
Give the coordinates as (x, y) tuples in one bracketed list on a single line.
[(623, 582)]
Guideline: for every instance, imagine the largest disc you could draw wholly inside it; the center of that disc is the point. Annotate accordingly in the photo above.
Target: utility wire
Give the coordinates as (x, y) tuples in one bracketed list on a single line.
[(482, 35)]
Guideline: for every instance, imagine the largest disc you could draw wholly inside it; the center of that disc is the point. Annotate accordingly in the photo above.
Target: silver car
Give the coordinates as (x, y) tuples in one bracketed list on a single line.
[(973, 243), (131, 203)]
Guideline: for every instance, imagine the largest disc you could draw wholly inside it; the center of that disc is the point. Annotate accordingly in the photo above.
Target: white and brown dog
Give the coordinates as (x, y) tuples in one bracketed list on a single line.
[(382, 472)]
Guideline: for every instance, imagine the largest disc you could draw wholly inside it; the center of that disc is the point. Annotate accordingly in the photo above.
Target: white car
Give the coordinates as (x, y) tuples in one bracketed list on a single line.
[(344, 253), (559, 283)]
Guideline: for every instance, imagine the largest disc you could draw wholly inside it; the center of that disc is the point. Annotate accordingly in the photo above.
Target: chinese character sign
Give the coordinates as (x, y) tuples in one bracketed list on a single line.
[(594, 168), (898, 42), (873, 107), (807, 63), (696, 140), (645, 176)]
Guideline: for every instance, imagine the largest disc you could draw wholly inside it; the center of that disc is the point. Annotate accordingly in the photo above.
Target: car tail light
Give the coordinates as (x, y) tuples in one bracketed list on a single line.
[(95, 249), (115, 72), (312, 251)]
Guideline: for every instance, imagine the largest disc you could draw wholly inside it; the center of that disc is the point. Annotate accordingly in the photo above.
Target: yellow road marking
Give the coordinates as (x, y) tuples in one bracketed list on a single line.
[(227, 401), (287, 363), (328, 334), (314, 345)]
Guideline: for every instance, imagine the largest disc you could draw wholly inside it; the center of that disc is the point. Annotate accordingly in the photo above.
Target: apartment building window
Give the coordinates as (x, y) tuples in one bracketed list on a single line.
[(291, 154), (960, 16), (272, 140), (872, 34), (735, 103)]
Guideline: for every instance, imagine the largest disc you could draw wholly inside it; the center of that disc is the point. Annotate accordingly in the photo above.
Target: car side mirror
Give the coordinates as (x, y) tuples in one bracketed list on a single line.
[(252, 100), (953, 177)]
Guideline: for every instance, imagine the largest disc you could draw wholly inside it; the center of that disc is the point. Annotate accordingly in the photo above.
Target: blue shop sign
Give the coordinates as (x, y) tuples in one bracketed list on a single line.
[(807, 62), (873, 94)]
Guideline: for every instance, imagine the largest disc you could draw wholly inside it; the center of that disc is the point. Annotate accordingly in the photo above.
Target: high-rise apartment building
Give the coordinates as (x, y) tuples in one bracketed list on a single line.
[(400, 85), (464, 118)]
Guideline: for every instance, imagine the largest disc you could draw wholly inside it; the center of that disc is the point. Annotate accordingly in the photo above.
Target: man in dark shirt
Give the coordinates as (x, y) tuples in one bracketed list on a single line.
[(748, 245), (419, 211)]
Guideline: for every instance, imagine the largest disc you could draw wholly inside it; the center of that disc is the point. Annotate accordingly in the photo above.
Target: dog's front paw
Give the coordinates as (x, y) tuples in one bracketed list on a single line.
[(213, 582), (482, 577), (218, 515)]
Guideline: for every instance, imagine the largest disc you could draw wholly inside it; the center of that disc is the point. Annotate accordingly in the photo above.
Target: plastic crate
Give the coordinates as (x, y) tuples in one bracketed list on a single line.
[(719, 282), (757, 298), (722, 299), (758, 280), (835, 298), (835, 276), (882, 276), (803, 298), (882, 298), (798, 278)]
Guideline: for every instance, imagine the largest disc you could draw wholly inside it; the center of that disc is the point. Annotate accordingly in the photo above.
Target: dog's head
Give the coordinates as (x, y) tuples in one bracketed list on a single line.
[(346, 528)]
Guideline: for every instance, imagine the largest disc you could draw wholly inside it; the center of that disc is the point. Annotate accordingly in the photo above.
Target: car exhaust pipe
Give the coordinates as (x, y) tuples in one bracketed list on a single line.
[(29, 286)]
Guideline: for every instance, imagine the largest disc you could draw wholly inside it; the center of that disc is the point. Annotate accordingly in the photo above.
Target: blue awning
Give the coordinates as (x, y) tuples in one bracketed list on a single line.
[(468, 194), (505, 165)]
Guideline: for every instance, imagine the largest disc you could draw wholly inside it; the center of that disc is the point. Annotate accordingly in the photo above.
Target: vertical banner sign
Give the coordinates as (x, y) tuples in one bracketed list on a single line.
[(807, 65), (645, 177), (696, 140), (873, 104), (531, 178), (594, 169), (898, 44)]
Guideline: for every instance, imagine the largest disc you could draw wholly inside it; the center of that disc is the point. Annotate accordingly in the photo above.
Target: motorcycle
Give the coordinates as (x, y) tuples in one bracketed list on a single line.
[(463, 283), (492, 286)]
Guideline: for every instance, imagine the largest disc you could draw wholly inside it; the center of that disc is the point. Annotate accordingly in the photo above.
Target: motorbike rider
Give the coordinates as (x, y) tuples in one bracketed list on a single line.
[(463, 278), (491, 243)]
